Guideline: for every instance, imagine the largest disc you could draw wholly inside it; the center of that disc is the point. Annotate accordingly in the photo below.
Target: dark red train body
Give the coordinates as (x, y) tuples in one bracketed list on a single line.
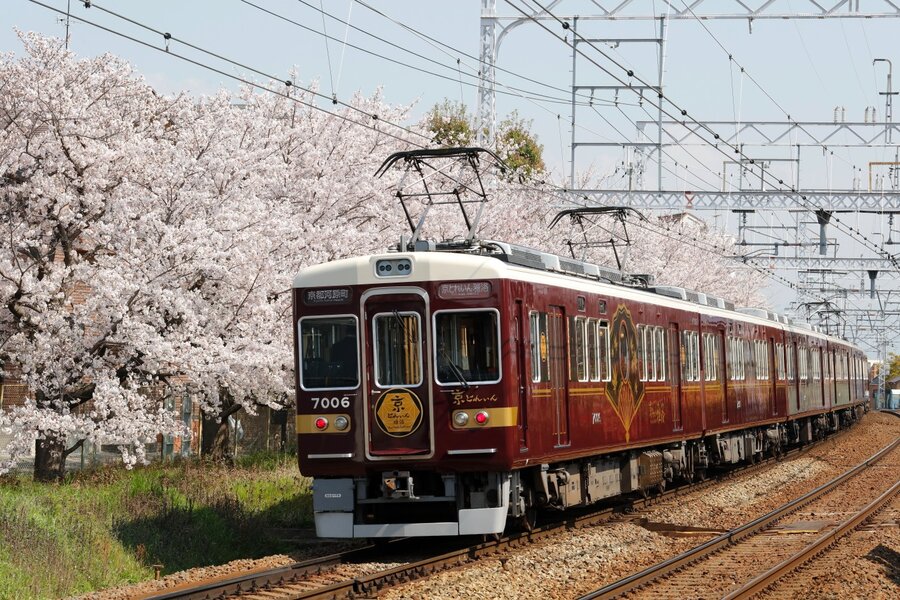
[(446, 393)]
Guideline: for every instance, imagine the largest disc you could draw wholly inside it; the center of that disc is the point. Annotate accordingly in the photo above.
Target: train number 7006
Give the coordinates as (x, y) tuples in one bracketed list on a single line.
[(331, 402)]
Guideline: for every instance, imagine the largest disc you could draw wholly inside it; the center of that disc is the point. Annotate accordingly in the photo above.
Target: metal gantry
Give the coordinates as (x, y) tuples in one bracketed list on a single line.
[(762, 172)]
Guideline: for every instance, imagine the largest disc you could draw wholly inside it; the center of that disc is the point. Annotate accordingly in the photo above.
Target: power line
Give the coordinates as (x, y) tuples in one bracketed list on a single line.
[(684, 114), (167, 37), (536, 96), (439, 45)]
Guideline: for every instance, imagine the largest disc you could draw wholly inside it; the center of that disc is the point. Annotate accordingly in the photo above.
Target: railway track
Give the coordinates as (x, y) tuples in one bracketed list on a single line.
[(746, 560), (322, 577)]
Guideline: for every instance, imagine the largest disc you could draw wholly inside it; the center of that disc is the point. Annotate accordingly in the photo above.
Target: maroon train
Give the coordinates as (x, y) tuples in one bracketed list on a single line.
[(451, 389)]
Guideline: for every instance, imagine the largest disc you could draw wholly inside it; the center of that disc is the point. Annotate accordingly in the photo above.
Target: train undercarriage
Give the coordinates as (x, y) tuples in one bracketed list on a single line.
[(426, 503)]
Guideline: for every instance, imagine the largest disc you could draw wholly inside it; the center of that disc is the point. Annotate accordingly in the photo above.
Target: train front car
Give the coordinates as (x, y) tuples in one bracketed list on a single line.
[(405, 418)]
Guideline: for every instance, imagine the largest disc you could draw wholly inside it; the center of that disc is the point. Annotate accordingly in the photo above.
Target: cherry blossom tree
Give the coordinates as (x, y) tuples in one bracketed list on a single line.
[(149, 242)]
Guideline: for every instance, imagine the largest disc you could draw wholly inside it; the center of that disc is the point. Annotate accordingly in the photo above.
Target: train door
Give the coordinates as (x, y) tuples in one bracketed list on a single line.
[(773, 379), (398, 414), (675, 361), (723, 374), (828, 376), (793, 377), (521, 373), (559, 397)]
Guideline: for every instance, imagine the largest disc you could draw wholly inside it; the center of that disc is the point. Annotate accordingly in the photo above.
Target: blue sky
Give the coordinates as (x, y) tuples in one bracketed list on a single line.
[(808, 67)]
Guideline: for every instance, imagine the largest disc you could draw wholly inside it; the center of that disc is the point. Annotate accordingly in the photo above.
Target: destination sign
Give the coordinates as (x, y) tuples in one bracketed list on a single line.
[(340, 295), (464, 289)]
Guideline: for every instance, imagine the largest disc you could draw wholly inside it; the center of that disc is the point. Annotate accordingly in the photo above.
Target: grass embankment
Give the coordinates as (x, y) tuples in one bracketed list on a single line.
[(109, 527)]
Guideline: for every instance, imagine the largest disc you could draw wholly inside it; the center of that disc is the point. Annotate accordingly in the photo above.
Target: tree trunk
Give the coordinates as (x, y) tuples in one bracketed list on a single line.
[(213, 438), (214, 442), (49, 459)]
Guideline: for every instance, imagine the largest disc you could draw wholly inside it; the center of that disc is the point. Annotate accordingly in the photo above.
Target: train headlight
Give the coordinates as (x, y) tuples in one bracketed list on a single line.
[(341, 423), (481, 417), (461, 418), (321, 423)]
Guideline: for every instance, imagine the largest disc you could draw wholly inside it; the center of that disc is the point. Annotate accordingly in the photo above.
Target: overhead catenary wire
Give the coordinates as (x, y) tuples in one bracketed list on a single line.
[(452, 52), (288, 84), (532, 95), (797, 196)]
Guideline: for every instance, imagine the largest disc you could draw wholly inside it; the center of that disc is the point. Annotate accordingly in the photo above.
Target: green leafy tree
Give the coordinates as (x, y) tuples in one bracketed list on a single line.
[(893, 366), (519, 147), (450, 124)]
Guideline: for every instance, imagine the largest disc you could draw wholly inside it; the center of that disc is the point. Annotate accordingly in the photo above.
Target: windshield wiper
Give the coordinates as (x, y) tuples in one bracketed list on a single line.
[(456, 370)]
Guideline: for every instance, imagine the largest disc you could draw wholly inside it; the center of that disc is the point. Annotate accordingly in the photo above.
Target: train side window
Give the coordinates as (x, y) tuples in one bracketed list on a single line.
[(695, 340), (690, 350), (817, 364), (660, 349), (578, 349), (593, 350), (762, 359), (467, 346), (540, 367), (710, 356), (803, 363), (779, 360), (790, 361), (603, 346), (398, 349), (329, 353), (641, 359)]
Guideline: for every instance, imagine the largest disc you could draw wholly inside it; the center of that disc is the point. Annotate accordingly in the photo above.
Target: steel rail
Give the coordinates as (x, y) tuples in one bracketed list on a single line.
[(788, 565), (729, 538), (259, 581)]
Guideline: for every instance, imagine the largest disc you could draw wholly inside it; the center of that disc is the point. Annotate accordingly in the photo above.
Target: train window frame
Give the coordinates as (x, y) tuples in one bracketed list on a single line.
[(660, 349), (375, 354), (803, 363), (762, 360), (639, 347), (302, 370), (816, 364), (690, 347), (603, 343), (593, 337), (739, 352), (537, 323), (496, 352), (578, 368), (710, 357)]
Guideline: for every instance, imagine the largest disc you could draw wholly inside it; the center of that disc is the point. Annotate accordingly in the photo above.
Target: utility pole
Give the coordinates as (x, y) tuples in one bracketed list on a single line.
[(889, 94)]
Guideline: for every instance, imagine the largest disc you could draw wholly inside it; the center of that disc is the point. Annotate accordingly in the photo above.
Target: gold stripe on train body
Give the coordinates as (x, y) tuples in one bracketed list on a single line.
[(501, 416)]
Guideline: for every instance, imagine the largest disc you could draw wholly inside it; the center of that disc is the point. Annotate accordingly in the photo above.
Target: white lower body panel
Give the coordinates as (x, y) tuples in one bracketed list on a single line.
[(475, 521)]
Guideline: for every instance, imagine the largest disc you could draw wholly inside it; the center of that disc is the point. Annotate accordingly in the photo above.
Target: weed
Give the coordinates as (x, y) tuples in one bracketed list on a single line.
[(108, 526)]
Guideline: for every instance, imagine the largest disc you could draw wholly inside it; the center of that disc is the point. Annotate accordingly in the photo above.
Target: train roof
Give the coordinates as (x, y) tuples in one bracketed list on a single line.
[(518, 263)]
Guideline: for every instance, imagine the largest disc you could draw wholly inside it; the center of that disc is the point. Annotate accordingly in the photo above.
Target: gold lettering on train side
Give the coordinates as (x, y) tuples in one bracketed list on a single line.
[(657, 409), (460, 398), (398, 412), (625, 390), (543, 347)]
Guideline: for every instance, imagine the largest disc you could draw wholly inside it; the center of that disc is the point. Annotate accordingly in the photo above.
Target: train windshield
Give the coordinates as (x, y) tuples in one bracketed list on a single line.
[(398, 354), (467, 346), (329, 353)]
